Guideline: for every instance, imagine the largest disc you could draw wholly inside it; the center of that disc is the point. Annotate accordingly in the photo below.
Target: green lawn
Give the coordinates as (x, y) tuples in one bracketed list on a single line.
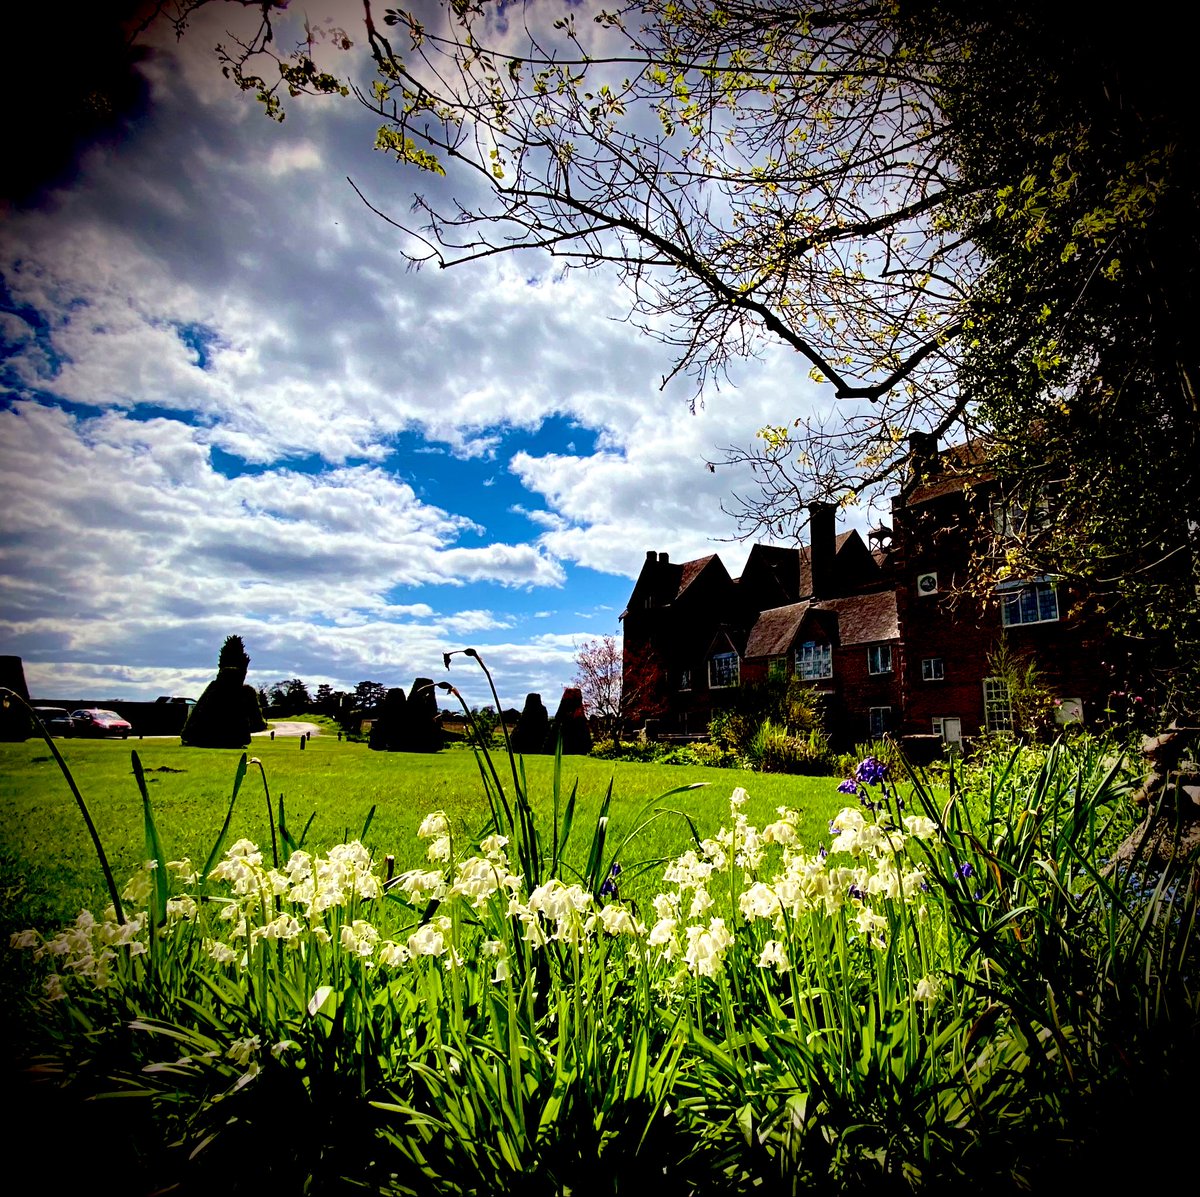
[(48, 868)]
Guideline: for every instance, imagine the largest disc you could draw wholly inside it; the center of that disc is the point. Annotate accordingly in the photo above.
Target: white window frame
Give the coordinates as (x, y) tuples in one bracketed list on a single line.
[(1014, 607), (875, 659), (811, 656), (997, 705), (933, 669), (879, 720), (736, 672)]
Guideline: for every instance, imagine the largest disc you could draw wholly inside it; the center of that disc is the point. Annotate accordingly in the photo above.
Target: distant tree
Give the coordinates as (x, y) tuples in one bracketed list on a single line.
[(219, 718), (486, 723), (369, 695), (618, 685), (290, 697), (324, 700)]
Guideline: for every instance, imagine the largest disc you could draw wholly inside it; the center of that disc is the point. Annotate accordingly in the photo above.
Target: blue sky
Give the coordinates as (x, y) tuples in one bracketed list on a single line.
[(228, 407)]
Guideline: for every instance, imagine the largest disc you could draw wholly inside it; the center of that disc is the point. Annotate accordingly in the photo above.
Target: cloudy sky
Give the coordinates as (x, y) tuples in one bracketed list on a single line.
[(226, 406)]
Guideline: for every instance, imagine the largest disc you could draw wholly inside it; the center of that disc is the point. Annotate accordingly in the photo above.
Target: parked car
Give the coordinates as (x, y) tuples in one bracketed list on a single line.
[(56, 720), (92, 721)]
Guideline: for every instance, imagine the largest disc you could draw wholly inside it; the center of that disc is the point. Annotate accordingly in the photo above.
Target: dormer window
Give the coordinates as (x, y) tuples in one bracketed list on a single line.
[(723, 670)]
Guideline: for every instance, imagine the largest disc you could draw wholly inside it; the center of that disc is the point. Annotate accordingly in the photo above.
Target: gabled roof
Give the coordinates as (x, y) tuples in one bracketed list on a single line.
[(861, 619), (775, 575), (774, 631)]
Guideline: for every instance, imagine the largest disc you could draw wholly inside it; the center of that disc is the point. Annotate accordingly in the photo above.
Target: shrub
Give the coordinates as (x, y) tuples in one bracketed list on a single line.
[(220, 718)]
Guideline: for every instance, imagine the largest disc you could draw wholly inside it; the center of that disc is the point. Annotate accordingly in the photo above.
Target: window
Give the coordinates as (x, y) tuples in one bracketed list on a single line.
[(1015, 519), (814, 660), (933, 669), (881, 720), (997, 705), (685, 679), (1028, 602), (723, 670), (879, 658), (777, 669)]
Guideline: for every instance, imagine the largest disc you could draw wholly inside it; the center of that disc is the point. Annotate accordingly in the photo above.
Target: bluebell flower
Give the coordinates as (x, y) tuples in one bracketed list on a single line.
[(608, 888), (855, 892), (871, 771), (964, 870), (849, 786)]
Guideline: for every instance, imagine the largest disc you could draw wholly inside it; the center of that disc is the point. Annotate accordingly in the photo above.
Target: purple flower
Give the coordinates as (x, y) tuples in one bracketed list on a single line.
[(608, 888), (855, 892), (849, 786), (964, 870), (871, 772)]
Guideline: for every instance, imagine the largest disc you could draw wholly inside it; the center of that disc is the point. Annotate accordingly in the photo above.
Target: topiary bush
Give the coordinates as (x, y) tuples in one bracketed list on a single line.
[(220, 718)]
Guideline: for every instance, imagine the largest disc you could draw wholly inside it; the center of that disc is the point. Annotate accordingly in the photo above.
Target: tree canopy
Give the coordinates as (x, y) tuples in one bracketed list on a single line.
[(971, 220)]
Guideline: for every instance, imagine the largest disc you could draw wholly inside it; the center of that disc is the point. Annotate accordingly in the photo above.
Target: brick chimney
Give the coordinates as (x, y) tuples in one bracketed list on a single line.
[(822, 536)]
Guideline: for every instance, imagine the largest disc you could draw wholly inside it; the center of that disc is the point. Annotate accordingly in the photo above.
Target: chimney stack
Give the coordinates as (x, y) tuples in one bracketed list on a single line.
[(822, 537)]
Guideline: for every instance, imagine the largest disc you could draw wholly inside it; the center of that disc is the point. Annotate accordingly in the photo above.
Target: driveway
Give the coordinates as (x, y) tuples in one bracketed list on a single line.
[(290, 728)]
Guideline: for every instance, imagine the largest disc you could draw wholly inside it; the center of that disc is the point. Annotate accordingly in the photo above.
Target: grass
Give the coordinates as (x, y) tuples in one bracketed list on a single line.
[(48, 869)]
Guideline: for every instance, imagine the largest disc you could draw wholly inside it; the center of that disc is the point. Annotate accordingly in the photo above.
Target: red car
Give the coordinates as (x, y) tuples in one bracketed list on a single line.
[(94, 722)]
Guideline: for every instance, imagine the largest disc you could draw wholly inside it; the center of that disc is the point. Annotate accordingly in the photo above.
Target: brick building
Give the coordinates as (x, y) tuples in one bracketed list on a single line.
[(887, 634)]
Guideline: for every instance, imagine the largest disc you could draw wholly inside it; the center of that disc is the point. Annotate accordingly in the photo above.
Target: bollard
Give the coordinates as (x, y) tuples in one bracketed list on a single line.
[(339, 737), (272, 733), (303, 741)]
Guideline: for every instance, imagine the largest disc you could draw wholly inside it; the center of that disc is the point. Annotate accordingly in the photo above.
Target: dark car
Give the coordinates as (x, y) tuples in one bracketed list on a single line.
[(56, 720), (92, 721)]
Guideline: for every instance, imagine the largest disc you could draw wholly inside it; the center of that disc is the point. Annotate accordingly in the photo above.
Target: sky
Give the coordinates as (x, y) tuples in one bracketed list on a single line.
[(227, 406)]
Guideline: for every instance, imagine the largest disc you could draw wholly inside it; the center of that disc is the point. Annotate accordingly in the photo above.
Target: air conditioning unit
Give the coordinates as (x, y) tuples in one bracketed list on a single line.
[(927, 583)]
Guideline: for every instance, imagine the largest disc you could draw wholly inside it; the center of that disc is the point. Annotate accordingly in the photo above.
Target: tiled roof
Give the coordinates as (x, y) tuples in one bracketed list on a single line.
[(865, 618), (689, 571), (861, 619), (775, 630)]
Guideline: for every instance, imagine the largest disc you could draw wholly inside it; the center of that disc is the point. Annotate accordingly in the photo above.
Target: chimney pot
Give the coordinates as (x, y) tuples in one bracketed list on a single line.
[(663, 558), (650, 554)]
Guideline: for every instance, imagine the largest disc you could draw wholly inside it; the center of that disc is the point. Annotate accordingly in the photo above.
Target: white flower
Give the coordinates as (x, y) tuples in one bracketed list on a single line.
[(284, 927), (54, 988), (220, 952), (616, 920), (393, 955), (359, 938), (241, 1050), (183, 907), (759, 902), (774, 956), (434, 825), (929, 989), (493, 846), (430, 939), (701, 903), (738, 799), (439, 850), (24, 939), (920, 827), (706, 948)]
